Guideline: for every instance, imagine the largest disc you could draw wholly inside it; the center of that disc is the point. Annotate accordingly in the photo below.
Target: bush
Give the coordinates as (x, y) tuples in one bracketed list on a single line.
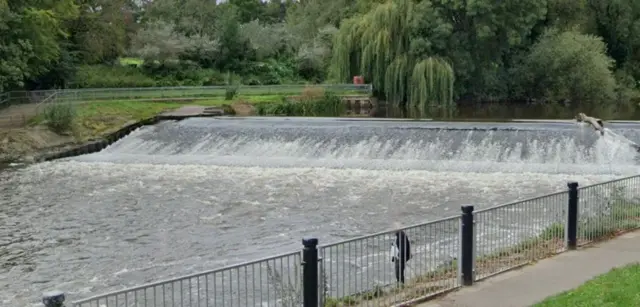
[(102, 76), (182, 73), (170, 73), (270, 72), (566, 66), (59, 116), (230, 92), (308, 104)]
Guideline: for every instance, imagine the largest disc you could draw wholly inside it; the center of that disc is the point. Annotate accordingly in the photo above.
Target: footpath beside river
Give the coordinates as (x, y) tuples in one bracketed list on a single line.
[(532, 284)]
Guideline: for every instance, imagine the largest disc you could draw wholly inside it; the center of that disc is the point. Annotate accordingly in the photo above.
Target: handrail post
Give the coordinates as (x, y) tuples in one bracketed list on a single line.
[(310, 272), (571, 226), (53, 299), (467, 242)]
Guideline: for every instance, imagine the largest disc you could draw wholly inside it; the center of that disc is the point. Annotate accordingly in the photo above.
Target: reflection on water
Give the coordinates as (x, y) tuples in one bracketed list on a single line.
[(502, 111)]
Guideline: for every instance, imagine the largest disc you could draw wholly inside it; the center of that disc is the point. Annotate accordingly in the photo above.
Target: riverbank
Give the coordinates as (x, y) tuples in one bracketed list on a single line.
[(90, 121), (93, 121)]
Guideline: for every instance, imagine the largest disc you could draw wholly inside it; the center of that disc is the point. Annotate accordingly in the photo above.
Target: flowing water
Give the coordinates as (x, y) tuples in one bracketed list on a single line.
[(181, 197)]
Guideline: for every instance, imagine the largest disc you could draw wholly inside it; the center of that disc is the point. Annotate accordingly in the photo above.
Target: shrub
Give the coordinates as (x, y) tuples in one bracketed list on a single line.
[(308, 104), (312, 92), (59, 116), (566, 66), (148, 75), (230, 92), (102, 76)]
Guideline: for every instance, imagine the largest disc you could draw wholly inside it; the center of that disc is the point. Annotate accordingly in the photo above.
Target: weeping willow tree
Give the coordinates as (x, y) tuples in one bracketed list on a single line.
[(376, 46)]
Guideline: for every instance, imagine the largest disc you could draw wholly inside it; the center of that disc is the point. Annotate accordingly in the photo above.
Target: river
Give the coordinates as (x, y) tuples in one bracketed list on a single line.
[(182, 197)]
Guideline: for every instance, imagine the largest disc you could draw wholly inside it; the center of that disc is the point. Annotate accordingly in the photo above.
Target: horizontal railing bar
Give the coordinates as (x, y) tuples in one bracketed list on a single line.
[(387, 232), (298, 254), (194, 275), (607, 182), (212, 87), (520, 202)]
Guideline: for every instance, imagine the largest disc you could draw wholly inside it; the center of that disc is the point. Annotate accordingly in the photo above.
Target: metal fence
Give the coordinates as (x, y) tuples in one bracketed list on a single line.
[(608, 208), (446, 254), (274, 281), (519, 233), (359, 272), (182, 93)]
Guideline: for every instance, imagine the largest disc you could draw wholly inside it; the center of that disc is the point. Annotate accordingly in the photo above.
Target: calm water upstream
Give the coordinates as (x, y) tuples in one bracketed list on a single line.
[(181, 197)]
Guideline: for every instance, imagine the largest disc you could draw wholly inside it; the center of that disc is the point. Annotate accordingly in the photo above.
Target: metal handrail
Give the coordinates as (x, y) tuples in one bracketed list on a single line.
[(176, 279), (449, 220)]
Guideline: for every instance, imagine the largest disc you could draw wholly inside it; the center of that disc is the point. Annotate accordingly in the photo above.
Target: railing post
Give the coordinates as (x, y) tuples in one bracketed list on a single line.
[(467, 241), (310, 272), (53, 299), (571, 227)]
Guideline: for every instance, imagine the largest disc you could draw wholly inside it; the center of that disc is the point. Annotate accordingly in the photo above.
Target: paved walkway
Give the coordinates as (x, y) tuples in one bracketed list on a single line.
[(532, 284)]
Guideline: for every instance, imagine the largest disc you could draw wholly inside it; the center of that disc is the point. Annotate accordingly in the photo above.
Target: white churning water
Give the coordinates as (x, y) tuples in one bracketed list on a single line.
[(181, 197)]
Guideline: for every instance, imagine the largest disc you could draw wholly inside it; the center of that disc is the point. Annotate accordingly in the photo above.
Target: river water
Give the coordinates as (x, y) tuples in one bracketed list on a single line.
[(182, 197)]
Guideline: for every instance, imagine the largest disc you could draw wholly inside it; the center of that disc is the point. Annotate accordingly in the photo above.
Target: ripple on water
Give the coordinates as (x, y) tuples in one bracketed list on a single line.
[(120, 218), (114, 225)]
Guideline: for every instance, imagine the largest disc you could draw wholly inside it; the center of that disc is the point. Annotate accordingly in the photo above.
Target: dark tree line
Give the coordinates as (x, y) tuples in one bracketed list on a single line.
[(426, 52)]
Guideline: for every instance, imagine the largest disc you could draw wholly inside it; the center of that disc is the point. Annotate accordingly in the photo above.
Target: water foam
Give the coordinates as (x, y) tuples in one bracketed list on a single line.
[(377, 147), (183, 197)]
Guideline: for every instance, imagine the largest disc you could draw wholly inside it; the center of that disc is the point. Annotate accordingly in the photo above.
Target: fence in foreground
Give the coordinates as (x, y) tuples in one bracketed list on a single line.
[(446, 254), (178, 93)]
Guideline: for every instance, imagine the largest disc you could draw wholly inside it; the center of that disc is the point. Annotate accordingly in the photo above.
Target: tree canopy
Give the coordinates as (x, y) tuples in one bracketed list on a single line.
[(425, 53)]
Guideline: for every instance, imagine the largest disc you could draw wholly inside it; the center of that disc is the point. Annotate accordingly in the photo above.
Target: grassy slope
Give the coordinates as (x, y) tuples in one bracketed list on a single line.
[(94, 119), (619, 287)]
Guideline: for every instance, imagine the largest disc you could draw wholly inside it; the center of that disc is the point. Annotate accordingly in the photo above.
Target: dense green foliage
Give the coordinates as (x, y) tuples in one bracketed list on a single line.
[(326, 104), (425, 53)]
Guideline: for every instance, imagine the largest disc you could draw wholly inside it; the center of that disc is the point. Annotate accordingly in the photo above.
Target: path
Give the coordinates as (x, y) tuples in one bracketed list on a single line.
[(16, 116), (532, 284)]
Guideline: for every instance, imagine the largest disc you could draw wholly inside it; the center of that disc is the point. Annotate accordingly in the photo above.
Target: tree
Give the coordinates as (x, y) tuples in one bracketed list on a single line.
[(270, 40), (567, 66), (313, 57), (377, 46), (233, 46), (99, 33), (160, 41), (248, 10), (30, 38), (618, 23)]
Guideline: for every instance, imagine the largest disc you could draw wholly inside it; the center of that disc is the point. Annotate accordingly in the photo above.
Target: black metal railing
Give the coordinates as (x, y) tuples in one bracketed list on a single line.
[(445, 254)]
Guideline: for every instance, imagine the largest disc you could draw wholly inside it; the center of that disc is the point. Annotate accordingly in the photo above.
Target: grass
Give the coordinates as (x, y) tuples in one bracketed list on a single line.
[(214, 92), (619, 287), (623, 216), (94, 119), (308, 104)]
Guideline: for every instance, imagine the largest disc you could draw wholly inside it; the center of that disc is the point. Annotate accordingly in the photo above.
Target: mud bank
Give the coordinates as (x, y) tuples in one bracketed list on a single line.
[(26, 144)]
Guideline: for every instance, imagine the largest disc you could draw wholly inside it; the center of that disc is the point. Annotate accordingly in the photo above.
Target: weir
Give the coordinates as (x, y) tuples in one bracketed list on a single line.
[(185, 196), (476, 147)]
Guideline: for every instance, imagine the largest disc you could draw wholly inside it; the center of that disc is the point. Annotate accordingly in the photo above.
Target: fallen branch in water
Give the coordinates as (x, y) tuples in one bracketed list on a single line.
[(595, 122)]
